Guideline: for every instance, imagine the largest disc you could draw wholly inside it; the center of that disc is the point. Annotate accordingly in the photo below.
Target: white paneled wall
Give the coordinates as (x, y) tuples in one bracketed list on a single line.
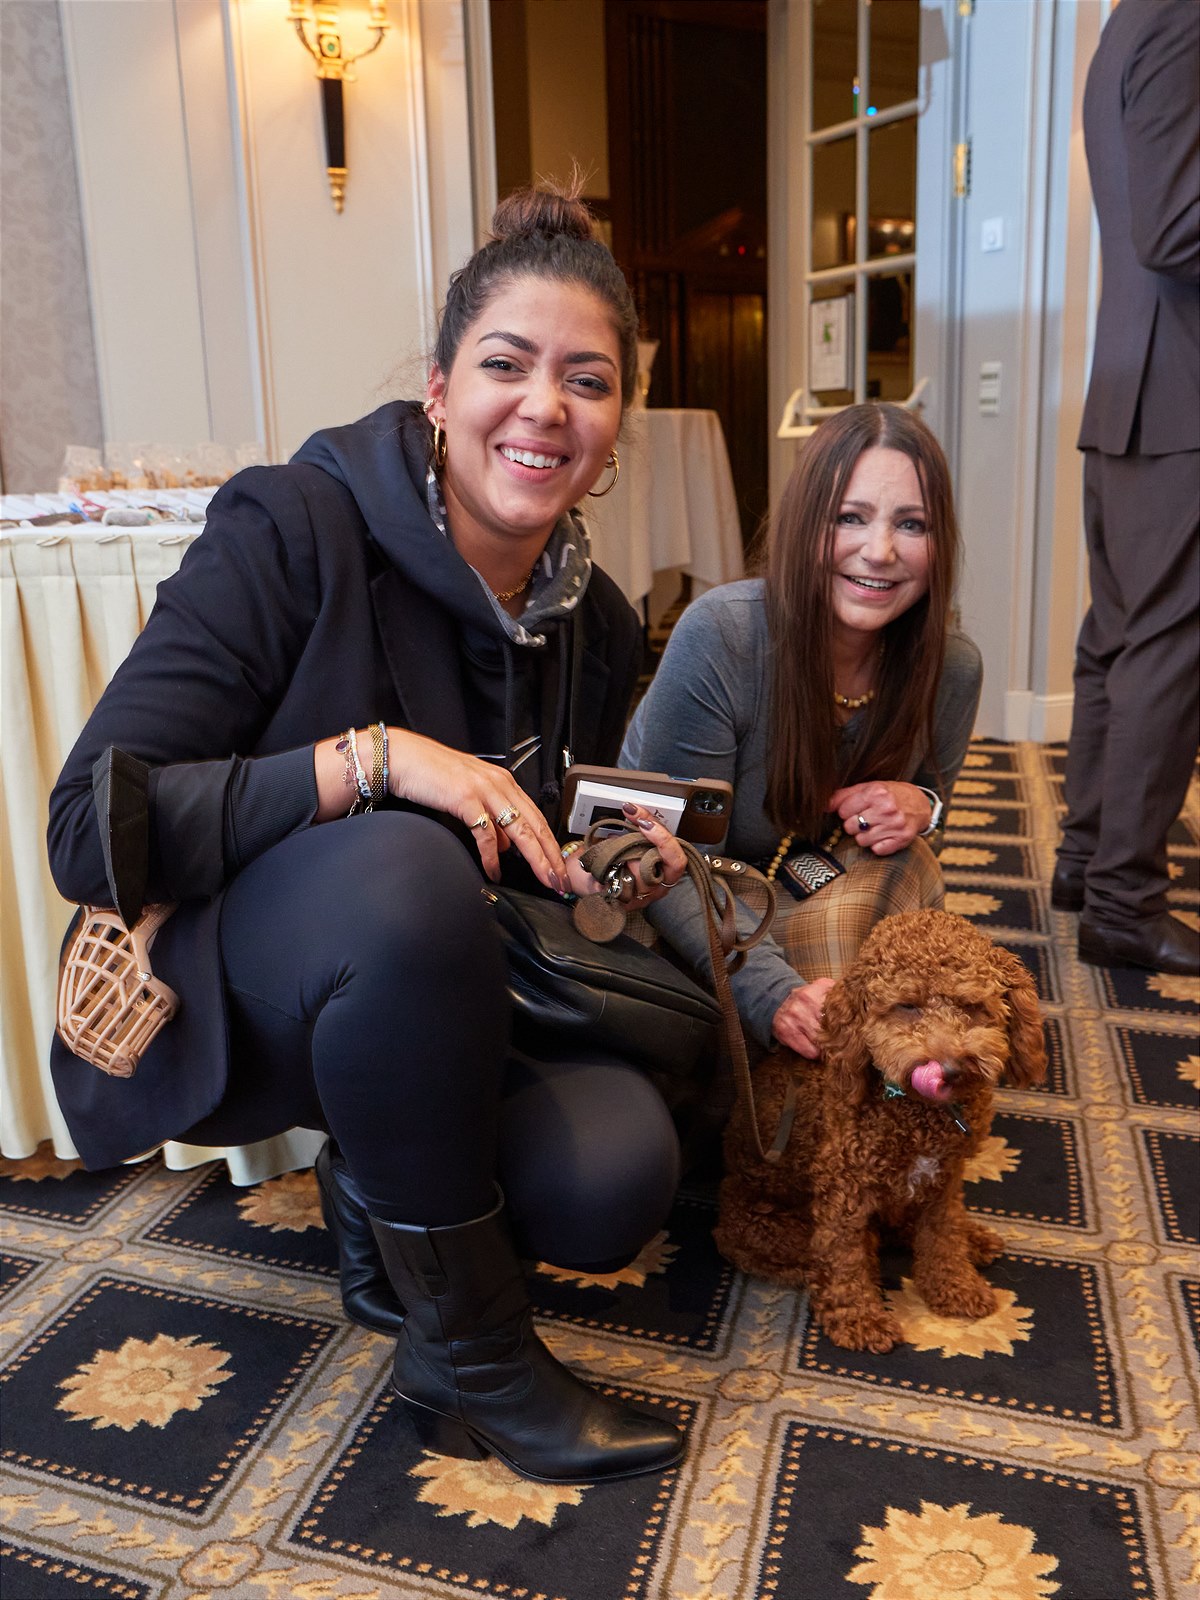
[(229, 299), (138, 220)]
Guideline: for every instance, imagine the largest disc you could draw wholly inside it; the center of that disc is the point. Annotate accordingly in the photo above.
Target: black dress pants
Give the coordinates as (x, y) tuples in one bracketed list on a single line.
[(366, 986), (1137, 671)]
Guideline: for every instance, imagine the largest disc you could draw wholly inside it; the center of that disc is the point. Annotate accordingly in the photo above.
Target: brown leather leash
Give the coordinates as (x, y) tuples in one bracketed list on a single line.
[(628, 865)]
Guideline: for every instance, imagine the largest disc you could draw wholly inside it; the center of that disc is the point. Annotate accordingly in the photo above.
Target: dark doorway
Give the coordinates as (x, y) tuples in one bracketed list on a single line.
[(687, 142), (664, 103)]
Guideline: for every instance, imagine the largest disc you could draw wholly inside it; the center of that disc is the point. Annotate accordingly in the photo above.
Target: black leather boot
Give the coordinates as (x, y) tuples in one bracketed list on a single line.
[(367, 1296), (475, 1377)]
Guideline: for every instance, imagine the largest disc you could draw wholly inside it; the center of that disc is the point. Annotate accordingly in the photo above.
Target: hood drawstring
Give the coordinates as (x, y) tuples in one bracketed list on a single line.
[(550, 793), (510, 695)]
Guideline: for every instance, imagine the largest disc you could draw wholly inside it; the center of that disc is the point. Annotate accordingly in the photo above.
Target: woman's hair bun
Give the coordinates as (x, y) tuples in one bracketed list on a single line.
[(549, 211)]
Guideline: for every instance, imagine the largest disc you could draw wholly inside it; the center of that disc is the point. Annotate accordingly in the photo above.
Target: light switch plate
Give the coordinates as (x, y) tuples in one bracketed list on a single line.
[(989, 388)]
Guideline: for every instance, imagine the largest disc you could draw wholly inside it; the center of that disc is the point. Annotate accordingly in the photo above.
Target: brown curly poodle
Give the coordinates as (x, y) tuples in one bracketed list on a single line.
[(916, 1036)]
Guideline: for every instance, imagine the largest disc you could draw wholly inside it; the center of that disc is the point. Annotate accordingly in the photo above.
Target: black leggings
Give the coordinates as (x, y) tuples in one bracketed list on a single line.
[(365, 979)]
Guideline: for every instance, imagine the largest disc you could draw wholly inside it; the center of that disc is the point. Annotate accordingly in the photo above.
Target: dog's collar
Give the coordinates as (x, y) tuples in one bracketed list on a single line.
[(892, 1091)]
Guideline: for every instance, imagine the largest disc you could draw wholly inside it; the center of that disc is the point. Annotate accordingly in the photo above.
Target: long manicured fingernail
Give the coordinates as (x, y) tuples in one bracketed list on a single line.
[(556, 882), (628, 807), (645, 823)]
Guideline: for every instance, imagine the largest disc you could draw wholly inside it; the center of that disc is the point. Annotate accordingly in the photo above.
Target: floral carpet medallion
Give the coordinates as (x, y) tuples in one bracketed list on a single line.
[(185, 1414)]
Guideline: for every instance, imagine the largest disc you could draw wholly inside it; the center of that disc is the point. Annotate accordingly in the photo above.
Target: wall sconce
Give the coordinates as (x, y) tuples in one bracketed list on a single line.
[(334, 67)]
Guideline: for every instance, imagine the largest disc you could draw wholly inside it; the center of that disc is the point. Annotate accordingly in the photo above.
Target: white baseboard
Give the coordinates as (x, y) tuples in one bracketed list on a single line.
[(1044, 718)]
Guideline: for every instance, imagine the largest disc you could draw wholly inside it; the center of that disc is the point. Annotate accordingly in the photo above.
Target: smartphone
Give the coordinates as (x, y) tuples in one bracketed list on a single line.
[(697, 809)]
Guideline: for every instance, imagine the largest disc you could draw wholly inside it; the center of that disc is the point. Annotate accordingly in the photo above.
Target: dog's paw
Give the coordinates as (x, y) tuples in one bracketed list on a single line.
[(858, 1329), (970, 1298), (984, 1243)]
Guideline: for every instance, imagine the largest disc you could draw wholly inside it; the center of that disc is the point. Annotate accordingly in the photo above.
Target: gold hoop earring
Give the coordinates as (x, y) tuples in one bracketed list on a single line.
[(613, 462), (439, 436)]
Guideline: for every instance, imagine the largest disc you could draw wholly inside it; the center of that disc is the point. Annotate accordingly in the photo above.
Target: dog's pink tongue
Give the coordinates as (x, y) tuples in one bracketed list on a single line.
[(929, 1080)]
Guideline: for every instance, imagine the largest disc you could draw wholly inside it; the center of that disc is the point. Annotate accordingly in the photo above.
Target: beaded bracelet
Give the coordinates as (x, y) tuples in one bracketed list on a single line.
[(360, 777), (384, 733)]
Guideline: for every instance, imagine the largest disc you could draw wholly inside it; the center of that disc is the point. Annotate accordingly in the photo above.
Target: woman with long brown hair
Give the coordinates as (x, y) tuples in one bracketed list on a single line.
[(837, 697)]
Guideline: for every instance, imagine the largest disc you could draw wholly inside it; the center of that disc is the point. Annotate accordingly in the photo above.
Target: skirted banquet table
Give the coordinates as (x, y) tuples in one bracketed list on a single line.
[(673, 513), (73, 597)]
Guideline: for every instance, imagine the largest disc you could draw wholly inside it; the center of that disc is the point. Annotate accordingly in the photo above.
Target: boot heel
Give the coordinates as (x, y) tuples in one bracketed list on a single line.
[(443, 1435)]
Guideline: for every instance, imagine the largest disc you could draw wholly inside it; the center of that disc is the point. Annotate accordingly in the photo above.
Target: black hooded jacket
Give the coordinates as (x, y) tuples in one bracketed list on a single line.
[(320, 596)]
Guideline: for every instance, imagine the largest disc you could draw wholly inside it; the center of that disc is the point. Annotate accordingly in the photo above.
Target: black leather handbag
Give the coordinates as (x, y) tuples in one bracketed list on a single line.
[(602, 990), (618, 997)]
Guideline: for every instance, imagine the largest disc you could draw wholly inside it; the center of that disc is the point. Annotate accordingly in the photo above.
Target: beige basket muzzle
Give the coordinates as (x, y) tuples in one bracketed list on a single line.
[(110, 1004)]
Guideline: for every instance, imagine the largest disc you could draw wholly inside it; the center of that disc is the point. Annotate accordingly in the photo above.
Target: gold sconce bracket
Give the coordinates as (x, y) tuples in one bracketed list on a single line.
[(334, 68)]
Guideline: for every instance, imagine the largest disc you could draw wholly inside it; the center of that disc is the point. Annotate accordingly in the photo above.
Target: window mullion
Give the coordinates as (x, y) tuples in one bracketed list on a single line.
[(861, 202)]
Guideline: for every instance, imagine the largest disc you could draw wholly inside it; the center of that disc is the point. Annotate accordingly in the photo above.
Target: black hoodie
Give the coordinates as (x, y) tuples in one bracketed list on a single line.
[(323, 595), (320, 596)]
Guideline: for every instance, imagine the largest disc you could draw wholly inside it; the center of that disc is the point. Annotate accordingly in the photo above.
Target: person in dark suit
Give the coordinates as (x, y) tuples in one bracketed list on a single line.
[(1134, 728), (359, 689)]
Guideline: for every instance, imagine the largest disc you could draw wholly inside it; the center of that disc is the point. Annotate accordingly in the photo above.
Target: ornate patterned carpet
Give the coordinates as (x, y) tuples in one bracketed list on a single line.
[(186, 1415)]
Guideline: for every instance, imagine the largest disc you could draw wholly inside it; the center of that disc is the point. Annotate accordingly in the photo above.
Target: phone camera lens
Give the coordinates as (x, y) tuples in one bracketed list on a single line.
[(710, 803)]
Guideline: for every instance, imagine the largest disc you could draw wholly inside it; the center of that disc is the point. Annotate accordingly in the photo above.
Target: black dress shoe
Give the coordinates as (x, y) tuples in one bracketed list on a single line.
[(1066, 887), (367, 1296), (1162, 944)]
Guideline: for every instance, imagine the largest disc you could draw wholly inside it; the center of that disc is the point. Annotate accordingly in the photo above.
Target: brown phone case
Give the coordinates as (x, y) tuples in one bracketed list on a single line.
[(708, 802)]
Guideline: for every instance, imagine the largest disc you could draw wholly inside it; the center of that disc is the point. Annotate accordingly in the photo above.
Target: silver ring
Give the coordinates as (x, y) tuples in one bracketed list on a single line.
[(863, 824), (507, 817), (482, 821)]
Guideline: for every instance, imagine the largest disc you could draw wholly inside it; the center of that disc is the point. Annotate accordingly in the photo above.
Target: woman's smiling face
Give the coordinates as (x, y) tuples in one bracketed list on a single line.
[(531, 409), (880, 553)]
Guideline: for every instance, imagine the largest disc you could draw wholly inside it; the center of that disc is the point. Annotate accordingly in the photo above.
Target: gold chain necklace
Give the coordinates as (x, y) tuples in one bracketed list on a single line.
[(511, 594)]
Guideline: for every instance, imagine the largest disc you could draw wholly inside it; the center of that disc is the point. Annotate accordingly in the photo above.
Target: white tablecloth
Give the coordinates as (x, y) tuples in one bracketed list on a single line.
[(72, 601), (673, 511)]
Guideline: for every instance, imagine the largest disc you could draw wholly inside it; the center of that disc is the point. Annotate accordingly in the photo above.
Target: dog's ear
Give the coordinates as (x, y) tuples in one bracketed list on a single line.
[(1026, 1041), (843, 1050)]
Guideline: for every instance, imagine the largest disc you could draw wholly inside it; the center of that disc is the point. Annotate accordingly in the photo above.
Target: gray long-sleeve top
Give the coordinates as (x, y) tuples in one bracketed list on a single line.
[(706, 715)]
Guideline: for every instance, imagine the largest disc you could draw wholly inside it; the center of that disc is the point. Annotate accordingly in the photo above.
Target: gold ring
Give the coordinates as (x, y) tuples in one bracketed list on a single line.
[(507, 817), (482, 821)]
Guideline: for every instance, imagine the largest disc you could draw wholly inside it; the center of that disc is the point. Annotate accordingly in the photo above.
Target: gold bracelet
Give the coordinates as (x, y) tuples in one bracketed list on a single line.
[(378, 759)]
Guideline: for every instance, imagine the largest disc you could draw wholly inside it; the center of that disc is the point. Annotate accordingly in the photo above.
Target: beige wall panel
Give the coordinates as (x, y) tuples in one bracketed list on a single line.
[(123, 72), (48, 392)]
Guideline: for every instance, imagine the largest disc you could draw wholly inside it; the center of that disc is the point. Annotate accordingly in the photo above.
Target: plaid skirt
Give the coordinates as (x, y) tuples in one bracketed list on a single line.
[(821, 936)]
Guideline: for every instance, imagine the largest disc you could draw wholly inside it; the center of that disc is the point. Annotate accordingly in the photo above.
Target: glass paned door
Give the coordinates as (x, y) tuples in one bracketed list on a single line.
[(861, 140)]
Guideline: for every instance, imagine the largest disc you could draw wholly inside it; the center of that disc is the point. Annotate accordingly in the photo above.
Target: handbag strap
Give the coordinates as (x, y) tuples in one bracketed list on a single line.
[(605, 853)]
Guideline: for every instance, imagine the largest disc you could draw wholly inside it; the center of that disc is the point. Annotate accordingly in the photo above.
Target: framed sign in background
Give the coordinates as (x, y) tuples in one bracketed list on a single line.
[(830, 344)]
